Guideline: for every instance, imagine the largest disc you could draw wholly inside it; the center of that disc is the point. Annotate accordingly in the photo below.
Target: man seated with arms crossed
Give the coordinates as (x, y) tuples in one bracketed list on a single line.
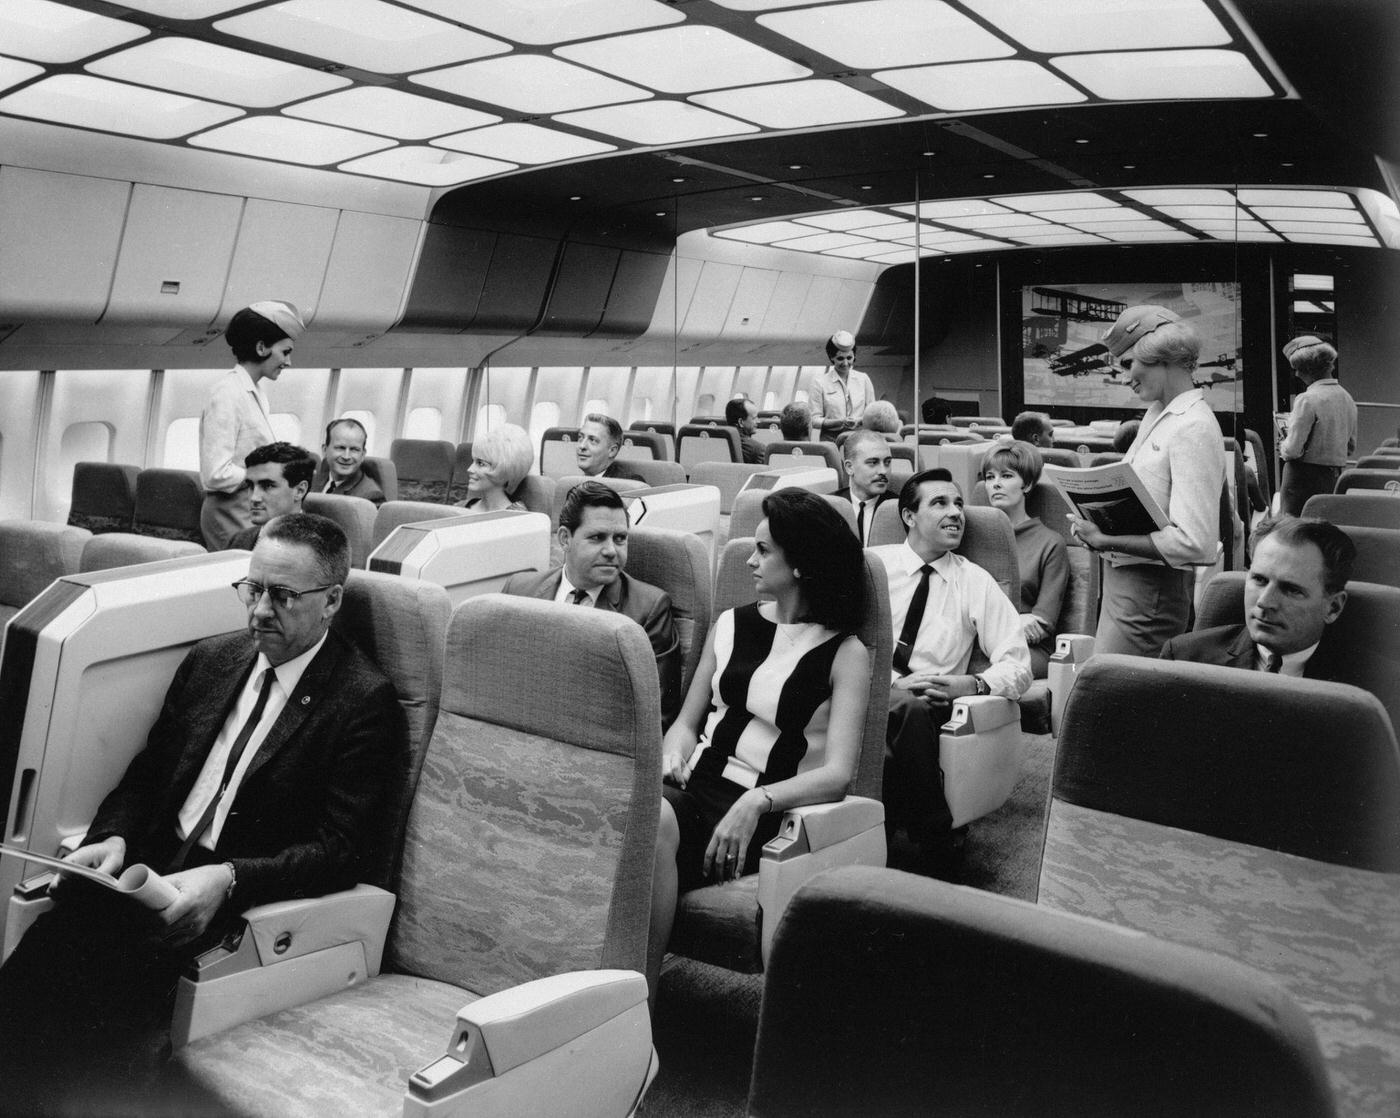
[(941, 605), (593, 532), (1295, 590), (278, 477), (344, 452), (741, 413), (262, 779), (599, 440), (868, 462)]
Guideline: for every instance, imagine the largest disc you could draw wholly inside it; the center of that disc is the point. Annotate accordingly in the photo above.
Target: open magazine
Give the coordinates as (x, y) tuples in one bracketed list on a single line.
[(1112, 496), (138, 881)]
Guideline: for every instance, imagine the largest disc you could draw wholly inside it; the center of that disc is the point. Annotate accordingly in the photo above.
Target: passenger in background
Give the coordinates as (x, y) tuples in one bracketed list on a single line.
[(868, 465), (237, 417), (839, 396), (1321, 427), (593, 532), (882, 418), (500, 460), (278, 478), (1124, 434), (1010, 472), (774, 716), (742, 413), (344, 452), (599, 440), (1179, 454), (795, 422), (941, 606), (1033, 427)]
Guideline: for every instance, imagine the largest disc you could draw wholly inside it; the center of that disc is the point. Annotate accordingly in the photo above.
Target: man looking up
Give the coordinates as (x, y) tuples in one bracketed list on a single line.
[(868, 462), (599, 440), (941, 605), (344, 452), (278, 477), (742, 414), (593, 531)]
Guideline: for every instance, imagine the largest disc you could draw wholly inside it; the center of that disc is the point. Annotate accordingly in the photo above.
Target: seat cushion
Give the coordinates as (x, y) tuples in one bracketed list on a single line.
[(350, 1053), (719, 924)]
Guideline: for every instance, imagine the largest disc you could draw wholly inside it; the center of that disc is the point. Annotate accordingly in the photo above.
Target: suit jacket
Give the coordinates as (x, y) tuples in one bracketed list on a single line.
[(306, 810), (245, 540), (870, 511), (363, 486), (623, 473), (647, 605)]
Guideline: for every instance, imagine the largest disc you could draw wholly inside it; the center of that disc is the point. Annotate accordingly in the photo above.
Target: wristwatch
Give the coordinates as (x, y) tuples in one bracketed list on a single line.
[(982, 688)]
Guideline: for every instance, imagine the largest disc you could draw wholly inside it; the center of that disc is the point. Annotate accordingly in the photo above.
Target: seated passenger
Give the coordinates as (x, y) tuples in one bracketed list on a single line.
[(261, 780), (599, 440), (941, 605), (344, 452), (500, 460), (593, 532), (1010, 472), (868, 464), (741, 413), (880, 416), (774, 716), (795, 422), (278, 477), (1033, 427)]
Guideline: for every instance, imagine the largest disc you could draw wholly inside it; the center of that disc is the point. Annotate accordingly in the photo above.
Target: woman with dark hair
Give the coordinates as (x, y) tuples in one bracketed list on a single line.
[(775, 713), (237, 417)]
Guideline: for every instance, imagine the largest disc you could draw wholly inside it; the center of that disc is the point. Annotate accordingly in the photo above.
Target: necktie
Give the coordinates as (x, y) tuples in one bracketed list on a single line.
[(860, 524), (240, 743), (912, 621), (1273, 662), (580, 597)]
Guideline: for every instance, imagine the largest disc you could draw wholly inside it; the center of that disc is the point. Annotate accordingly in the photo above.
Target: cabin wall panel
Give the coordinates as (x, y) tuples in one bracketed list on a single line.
[(580, 291), (636, 286), (716, 386), (59, 236), (653, 394), (114, 398), (750, 306), (372, 391), (506, 388), (517, 281), (449, 278), (368, 273), (19, 402), (817, 319), (282, 253), (610, 384), (297, 400), (673, 300), (443, 390), (785, 304), (710, 302)]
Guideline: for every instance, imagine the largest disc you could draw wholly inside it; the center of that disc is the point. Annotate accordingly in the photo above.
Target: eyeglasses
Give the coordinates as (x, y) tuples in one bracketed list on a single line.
[(283, 597)]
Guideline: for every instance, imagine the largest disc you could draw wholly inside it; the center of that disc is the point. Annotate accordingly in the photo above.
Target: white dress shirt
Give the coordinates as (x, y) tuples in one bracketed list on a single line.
[(206, 787), (1294, 664), (566, 591), (965, 606)]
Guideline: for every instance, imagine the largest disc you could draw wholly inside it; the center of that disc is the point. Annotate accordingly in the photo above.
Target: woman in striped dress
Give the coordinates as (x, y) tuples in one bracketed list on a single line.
[(774, 715)]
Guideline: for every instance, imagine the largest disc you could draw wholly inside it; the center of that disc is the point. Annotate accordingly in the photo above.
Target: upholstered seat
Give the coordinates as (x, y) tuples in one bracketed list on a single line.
[(423, 468), (32, 554), (679, 564), (696, 443), (1360, 507), (122, 549), (168, 504), (811, 453), (104, 496), (356, 517), (1387, 480)]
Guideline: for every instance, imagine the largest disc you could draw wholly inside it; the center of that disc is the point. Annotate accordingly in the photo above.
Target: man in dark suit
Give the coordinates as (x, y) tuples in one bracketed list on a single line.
[(344, 453), (599, 440), (593, 532), (278, 476), (868, 463), (741, 413), (262, 779)]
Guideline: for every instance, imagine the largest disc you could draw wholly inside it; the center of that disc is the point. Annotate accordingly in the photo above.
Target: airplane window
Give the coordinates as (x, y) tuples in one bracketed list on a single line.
[(543, 415), (770, 401), (706, 404), (641, 407), (81, 442), (286, 427), (488, 417), (596, 405), (182, 444), (366, 419), (423, 423)]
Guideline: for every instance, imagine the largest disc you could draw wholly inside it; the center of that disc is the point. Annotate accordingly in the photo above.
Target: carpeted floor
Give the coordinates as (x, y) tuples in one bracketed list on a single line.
[(707, 1018)]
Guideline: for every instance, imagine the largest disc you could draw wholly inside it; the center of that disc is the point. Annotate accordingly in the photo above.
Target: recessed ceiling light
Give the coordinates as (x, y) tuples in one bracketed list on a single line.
[(867, 188), (795, 166), (575, 197), (989, 175), (1081, 141), (659, 213), (755, 197), (1260, 135), (680, 179)]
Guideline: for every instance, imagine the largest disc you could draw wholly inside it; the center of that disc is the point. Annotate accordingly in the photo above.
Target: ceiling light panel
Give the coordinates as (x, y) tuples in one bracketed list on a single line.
[(531, 83), (799, 104), (1338, 228), (1333, 199), (539, 22), (390, 112), (1085, 25), (848, 219), (291, 141), (821, 242), (685, 59), (13, 71), (1068, 201), (1165, 75), (982, 85), (47, 32), (962, 207), (657, 122), (206, 70), (860, 252), (185, 9), (382, 38), (524, 143), (1308, 213), (426, 166), (1148, 238), (88, 102), (766, 5), (766, 233), (1005, 219), (875, 34), (1182, 197)]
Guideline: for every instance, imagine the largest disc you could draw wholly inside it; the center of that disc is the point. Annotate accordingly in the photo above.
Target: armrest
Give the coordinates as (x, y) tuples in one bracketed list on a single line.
[(577, 1043), (980, 714), (286, 953), (817, 826), (980, 751), (1071, 651)]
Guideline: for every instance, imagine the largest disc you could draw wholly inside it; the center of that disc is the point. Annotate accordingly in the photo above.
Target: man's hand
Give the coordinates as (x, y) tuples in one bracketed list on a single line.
[(937, 688), (1088, 533), (202, 893), (108, 856)]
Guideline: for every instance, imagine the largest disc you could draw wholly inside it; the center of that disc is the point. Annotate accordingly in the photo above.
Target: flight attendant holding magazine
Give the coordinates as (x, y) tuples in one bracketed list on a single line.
[(1179, 458)]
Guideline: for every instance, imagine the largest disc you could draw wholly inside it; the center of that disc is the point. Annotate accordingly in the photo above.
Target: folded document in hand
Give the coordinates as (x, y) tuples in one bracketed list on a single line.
[(1112, 496), (140, 882)]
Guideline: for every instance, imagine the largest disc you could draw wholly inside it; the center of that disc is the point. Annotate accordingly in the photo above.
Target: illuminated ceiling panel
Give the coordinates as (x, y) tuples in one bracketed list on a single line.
[(848, 219), (524, 143), (12, 72), (983, 85), (90, 102), (657, 122), (390, 113), (875, 34), (539, 22), (685, 59), (291, 141), (1082, 25), (799, 104), (42, 31), (531, 83), (1165, 75), (426, 166), (185, 9)]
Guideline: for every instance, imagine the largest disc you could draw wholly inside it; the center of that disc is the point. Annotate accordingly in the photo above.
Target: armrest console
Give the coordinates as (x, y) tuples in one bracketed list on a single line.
[(1071, 651), (980, 750), (816, 826)]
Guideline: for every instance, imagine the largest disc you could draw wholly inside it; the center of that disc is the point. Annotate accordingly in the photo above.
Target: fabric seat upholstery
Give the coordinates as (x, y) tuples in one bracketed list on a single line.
[(104, 497), (356, 517), (1387, 480), (392, 514), (124, 549), (32, 554), (1366, 509), (988, 540), (168, 504), (423, 468), (679, 564)]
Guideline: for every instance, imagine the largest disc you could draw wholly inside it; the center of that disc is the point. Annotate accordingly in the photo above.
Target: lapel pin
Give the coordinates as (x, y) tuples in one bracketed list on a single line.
[(305, 699)]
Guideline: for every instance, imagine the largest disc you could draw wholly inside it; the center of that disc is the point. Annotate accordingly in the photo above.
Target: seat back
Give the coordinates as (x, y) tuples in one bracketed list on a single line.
[(1234, 754), (727, 477), (931, 992), (381, 471), (564, 485), (461, 463), (126, 549), (355, 515), (1261, 464), (748, 511), (734, 587), (1378, 462), (400, 624), (644, 446), (1387, 480), (546, 808), (785, 453), (977, 421), (1362, 508), (988, 540), (667, 432), (104, 496), (1377, 555), (168, 503), (423, 468), (1104, 458), (679, 563), (696, 443), (536, 493), (1060, 456), (32, 554), (658, 471), (559, 451), (391, 514), (1387, 449)]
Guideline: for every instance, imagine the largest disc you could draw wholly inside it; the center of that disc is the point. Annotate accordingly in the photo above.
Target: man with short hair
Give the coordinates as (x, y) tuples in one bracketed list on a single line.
[(264, 778), (741, 413), (599, 440), (593, 531), (941, 606), (795, 422), (278, 476), (1033, 427), (344, 452), (868, 463)]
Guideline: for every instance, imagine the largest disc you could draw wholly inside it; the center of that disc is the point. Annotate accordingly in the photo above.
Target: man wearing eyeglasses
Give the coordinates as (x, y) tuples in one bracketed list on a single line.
[(261, 780)]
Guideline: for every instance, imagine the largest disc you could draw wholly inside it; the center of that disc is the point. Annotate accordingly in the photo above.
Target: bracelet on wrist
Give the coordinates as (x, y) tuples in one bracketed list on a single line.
[(767, 795), (232, 881)]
